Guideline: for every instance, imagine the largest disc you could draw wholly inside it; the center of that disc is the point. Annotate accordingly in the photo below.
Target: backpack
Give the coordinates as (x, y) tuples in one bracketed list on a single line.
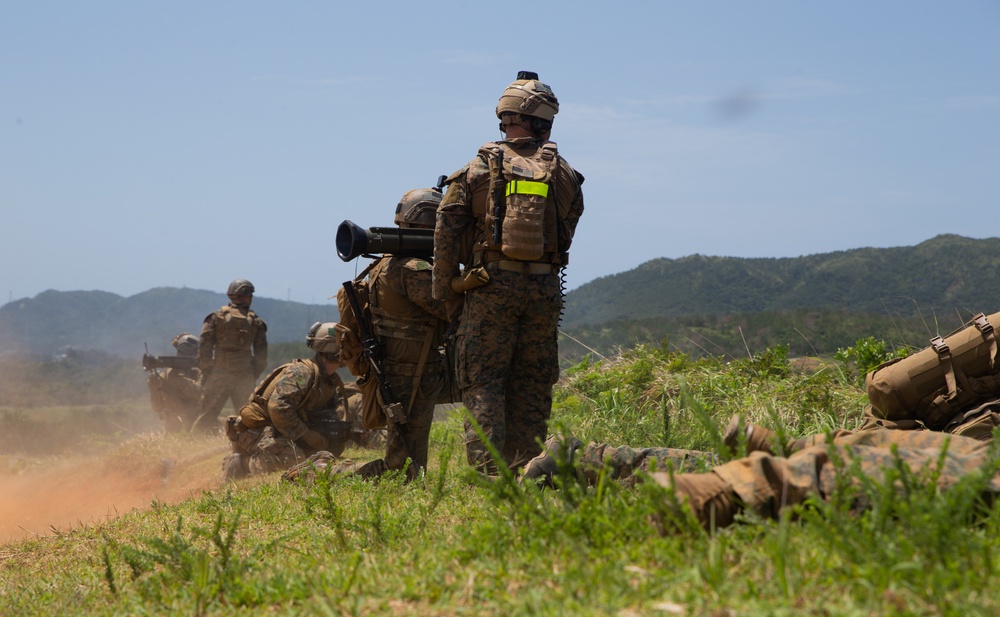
[(947, 378), (528, 187)]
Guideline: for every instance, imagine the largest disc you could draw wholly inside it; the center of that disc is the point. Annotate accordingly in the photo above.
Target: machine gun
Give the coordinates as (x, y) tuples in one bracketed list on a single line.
[(373, 353), (151, 363), (353, 240)]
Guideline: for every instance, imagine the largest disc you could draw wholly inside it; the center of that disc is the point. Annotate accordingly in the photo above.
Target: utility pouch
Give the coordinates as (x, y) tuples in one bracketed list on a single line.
[(470, 279)]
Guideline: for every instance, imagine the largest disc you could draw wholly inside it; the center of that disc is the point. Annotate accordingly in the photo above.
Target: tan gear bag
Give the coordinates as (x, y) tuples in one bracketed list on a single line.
[(933, 385)]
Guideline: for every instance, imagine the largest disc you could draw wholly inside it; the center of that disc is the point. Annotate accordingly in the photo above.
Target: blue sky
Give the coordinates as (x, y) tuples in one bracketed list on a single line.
[(149, 144)]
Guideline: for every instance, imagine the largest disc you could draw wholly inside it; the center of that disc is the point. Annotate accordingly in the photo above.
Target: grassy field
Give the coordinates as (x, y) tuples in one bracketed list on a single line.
[(452, 544)]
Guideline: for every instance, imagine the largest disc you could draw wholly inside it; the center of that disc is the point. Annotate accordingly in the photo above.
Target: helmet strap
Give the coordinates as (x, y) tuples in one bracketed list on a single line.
[(536, 126)]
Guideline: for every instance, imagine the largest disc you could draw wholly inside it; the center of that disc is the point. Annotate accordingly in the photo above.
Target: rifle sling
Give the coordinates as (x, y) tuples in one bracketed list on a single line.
[(428, 339)]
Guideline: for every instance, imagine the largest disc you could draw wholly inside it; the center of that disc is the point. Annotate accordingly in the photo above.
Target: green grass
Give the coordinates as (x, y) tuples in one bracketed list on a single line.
[(452, 544)]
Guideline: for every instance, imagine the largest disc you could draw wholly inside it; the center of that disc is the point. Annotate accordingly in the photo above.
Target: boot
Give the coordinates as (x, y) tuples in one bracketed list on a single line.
[(710, 497), (307, 469), (759, 439), (234, 467), (557, 449)]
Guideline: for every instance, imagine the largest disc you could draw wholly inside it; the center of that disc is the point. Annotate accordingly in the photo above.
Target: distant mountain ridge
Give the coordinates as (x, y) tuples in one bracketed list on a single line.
[(945, 273), (107, 322)]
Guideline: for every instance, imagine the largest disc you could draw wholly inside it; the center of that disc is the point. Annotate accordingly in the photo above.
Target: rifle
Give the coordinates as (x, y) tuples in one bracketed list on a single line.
[(499, 200), (151, 363), (373, 353), (337, 432)]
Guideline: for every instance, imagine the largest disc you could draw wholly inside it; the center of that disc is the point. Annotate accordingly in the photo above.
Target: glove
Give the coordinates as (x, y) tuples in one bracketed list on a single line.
[(472, 278), (314, 440)]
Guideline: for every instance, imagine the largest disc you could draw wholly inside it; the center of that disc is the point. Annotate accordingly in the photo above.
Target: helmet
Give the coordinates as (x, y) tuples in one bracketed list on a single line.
[(418, 207), (186, 344), (529, 97), (240, 287), (322, 338)]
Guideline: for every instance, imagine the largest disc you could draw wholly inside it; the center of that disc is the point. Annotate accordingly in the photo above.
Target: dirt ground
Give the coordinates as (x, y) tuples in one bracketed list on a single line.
[(38, 497)]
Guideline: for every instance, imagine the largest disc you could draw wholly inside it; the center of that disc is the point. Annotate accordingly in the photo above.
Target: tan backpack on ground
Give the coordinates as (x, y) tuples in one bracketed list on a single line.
[(934, 385)]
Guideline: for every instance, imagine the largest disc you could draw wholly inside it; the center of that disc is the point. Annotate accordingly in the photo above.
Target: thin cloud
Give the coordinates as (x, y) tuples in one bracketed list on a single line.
[(471, 58), (327, 82), (973, 102)]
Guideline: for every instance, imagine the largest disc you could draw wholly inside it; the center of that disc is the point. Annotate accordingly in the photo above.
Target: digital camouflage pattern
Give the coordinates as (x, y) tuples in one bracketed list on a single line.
[(232, 356), (272, 426), (506, 343), (623, 461), (507, 362), (767, 484)]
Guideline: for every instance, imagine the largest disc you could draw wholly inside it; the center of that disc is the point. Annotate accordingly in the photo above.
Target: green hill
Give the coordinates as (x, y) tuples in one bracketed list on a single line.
[(730, 305), (941, 275)]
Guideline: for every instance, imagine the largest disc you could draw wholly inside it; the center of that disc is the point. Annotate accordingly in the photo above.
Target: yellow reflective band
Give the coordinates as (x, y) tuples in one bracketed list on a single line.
[(527, 187)]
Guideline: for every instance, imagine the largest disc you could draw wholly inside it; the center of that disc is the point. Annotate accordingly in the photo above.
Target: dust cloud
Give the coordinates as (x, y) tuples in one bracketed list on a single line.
[(63, 493)]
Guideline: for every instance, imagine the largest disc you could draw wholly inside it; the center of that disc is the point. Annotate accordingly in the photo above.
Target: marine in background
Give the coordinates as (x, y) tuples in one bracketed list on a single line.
[(294, 412), (232, 356), (174, 391)]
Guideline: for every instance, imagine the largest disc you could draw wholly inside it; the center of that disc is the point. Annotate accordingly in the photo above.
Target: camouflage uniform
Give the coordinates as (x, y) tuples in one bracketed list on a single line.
[(232, 356), (591, 460), (409, 323), (269, 433), (766, 484), (506, 342), (977, 420), (623, 461)]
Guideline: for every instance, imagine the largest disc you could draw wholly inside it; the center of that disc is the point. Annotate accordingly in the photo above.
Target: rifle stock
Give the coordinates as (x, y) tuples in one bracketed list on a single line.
[(499, 200), (373, 352)]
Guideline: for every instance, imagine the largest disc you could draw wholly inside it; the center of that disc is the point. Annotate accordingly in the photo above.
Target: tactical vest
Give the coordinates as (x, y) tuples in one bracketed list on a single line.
[(255, 413), (526, 182), (396, 316), (234, 335)]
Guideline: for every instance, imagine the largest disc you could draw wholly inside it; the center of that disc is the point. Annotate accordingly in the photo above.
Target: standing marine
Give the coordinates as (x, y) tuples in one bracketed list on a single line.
[(509, 217), (233, 354)]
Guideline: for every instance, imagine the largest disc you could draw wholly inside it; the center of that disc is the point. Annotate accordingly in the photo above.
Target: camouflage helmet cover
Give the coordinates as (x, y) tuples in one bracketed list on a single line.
[(418, 207), (322, 338), (240, 287), (186, 344), (529, 97)]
